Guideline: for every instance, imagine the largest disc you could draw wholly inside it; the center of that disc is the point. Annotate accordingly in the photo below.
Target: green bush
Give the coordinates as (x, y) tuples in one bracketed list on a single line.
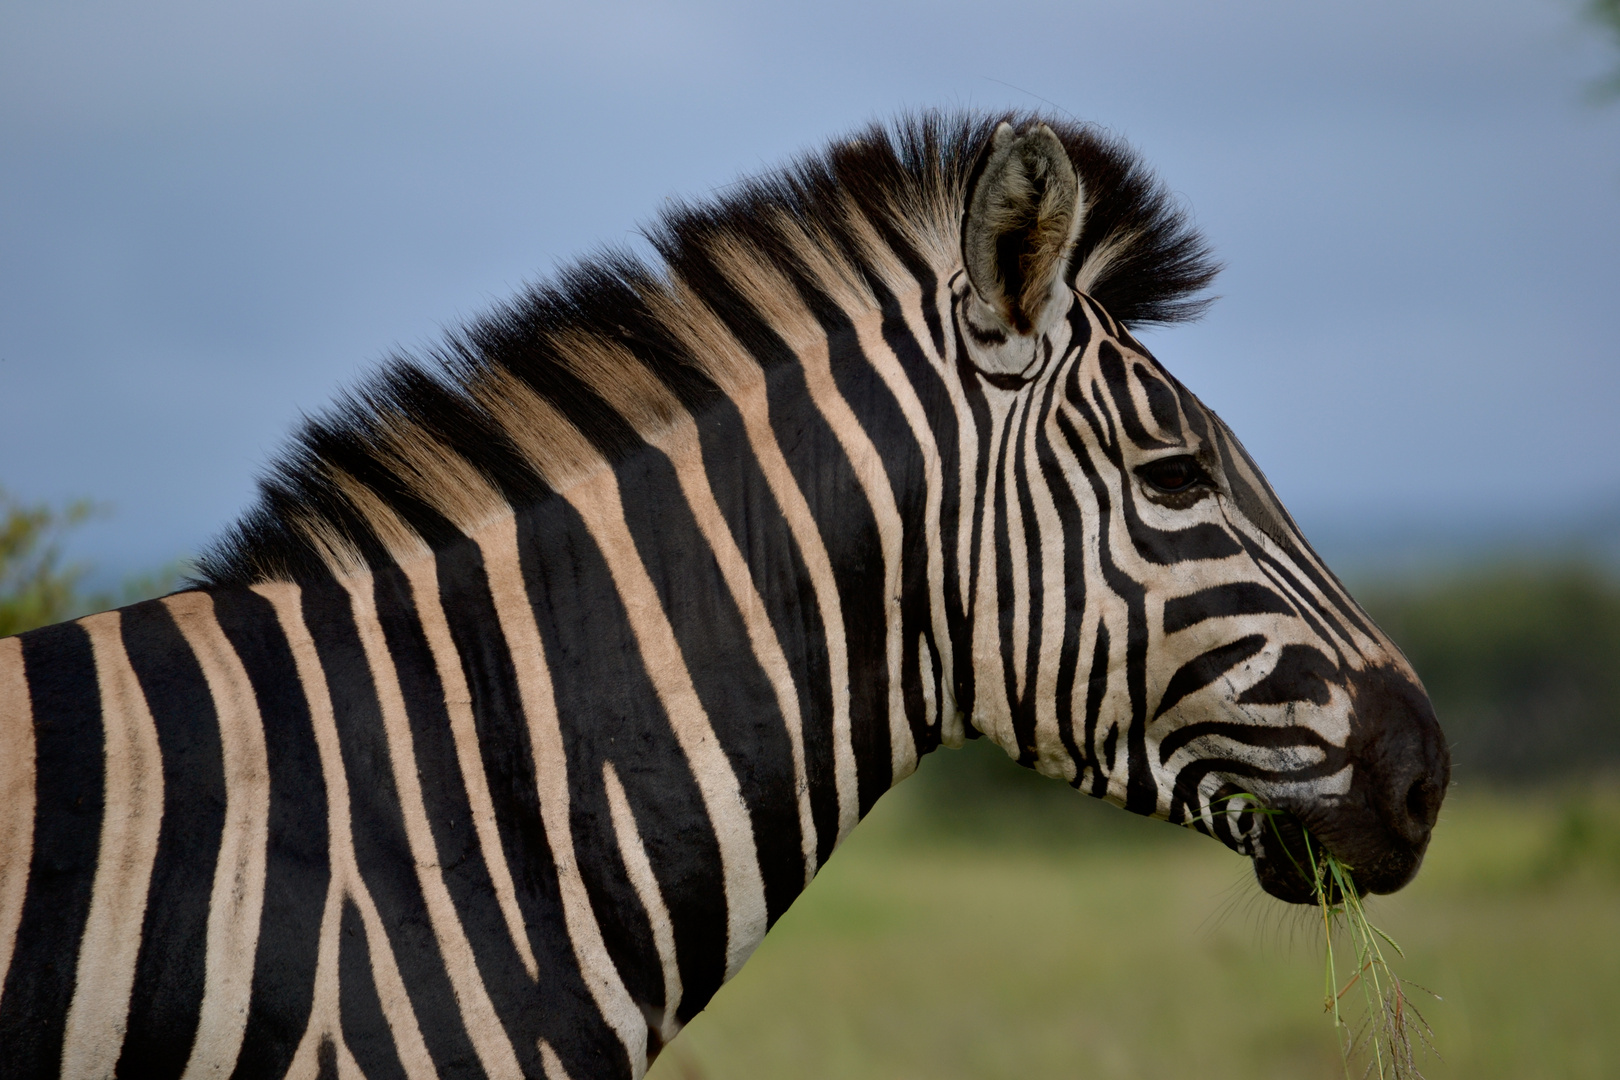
[(1522, 663), (36, 587)]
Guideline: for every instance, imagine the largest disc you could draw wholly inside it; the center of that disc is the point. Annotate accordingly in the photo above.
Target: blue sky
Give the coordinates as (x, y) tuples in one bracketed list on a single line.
[(214, 216)]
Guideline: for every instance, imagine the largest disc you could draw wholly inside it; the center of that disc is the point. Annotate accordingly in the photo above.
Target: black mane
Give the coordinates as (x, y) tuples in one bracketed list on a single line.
[(1137, 255)]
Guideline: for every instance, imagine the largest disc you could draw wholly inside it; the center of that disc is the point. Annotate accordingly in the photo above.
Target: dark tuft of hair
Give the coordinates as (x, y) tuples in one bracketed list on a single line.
[(1157, 265)]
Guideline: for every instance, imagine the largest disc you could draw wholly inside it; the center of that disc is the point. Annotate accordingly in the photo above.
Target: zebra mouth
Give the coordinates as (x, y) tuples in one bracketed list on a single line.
[(1287, 862), (1380, 828)]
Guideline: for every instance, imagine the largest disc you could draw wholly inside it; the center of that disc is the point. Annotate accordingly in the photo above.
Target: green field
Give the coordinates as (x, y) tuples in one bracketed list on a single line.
[(1123, 948)]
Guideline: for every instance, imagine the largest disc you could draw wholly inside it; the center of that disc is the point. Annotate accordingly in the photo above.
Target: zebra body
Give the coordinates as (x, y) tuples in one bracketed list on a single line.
[(540, 685)]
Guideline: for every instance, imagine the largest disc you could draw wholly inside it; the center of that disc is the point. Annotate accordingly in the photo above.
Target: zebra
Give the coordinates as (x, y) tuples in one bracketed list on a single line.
[(550, 667)]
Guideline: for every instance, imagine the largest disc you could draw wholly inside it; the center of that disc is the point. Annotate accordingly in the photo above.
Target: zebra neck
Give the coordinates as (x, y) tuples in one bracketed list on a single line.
[(681, 682)]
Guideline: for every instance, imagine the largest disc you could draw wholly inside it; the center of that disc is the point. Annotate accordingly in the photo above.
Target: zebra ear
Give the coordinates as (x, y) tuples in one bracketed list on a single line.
[(1022, 217)]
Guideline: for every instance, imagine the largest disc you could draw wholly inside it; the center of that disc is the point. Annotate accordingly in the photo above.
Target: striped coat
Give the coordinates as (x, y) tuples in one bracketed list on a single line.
[(551, 667)]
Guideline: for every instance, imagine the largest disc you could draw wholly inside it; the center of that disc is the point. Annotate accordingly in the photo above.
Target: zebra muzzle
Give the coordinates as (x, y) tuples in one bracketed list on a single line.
[(1381, 827)]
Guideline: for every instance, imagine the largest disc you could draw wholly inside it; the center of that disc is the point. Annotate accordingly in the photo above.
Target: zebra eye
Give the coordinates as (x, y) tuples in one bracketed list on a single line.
[(1174, 474)]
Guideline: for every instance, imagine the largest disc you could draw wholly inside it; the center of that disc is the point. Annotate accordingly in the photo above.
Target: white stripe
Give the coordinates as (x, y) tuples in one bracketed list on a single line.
[(680, 443), (515, 613), (1017, 546), (754, 409), (1103, 605), (867, 465), (639, 868), (717, 351), (325, 1016), (132, 814), (237, 900), (478, 1014), (598, 503), (552, 1063), (347, 1067), (887, 365), (16, 795), (967, 443), (992, 713), (458, 701), (1052, 552), (925, 676)]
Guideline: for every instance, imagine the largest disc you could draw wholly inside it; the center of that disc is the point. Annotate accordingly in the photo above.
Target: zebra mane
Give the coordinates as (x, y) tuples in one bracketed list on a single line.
[(574, 373)]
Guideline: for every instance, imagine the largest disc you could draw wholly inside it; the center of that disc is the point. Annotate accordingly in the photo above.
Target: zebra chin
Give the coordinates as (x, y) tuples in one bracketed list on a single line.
[(1380, 828)]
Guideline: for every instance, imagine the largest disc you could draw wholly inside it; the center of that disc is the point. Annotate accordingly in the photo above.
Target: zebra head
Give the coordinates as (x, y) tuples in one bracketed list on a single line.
[(1147, 622)]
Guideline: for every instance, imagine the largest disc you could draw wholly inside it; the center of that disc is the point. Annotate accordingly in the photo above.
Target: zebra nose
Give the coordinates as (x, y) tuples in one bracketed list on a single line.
[(1403, 756), (1411, 806)]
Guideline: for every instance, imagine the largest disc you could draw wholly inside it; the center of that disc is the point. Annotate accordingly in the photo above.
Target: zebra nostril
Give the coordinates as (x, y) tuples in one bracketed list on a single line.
[(1421, 803)]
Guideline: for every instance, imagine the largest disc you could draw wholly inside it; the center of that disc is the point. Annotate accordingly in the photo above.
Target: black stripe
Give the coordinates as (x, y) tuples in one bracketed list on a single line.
[(68, 740), (1218, 601), (608, 708), (783, 580), (1141, 789), (1186, 784), (449, 814), (1036, 550), (878, 412), (1300, 674), (381, 849), (297, 872), (1167, 547), (1096, 690), (982, 427), (1001, 553), (365, 1027), (935, 400), (1161, 401), (568, 1019), (847, 527), (1205, 668), (734, 690), (326, 1067), (990, 336), (1321, 623), (1023, 713), (1263, 507), (169, 969), (1112, 366), (1257, 735), (928, 284), (1071, 529), (849, 530), (1191, 407)]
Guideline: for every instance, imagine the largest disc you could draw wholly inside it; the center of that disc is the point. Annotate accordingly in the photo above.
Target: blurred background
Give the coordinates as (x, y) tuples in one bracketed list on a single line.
[(213, 216)]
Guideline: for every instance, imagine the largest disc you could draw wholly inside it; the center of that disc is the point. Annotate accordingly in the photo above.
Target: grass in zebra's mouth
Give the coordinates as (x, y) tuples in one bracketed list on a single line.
[(1392, 1033)]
